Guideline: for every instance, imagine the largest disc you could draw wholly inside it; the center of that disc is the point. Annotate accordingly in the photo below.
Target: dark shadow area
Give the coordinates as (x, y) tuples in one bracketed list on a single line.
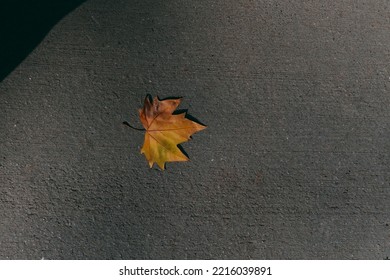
[(169, 97), (188, 116), (183, 151), (23, 25)]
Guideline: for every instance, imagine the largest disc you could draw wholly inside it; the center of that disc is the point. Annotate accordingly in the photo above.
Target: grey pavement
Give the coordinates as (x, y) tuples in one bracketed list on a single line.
[(294, 163)]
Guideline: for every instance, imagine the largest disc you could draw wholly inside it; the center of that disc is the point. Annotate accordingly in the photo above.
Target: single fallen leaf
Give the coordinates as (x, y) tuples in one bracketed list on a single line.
[(165, 130)]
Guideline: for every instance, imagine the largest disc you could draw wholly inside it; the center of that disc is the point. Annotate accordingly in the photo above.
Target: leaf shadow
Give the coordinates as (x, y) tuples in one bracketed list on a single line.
[(169, 97), (183, 151), (188, 116), (178, 111), (166, 167)]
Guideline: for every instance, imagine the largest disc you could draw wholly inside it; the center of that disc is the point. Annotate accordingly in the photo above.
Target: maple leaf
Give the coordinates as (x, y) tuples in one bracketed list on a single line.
[(165, 130)]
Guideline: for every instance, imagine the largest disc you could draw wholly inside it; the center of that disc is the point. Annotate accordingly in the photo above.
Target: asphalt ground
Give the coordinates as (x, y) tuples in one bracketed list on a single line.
[(294, 163)]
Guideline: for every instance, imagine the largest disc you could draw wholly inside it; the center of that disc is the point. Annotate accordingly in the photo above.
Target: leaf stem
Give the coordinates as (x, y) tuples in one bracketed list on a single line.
[(129, 125)]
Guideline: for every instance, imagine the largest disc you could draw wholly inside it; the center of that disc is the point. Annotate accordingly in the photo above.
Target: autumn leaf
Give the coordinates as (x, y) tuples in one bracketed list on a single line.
[(165, 130)]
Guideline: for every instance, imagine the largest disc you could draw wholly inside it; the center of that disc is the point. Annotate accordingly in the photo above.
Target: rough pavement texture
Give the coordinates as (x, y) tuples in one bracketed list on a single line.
[(294, 164)]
